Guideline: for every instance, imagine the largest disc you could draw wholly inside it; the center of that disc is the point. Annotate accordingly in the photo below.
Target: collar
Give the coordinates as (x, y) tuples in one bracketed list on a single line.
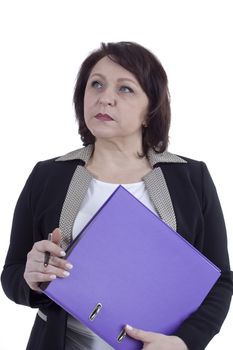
[(154, 158), (154, 182)]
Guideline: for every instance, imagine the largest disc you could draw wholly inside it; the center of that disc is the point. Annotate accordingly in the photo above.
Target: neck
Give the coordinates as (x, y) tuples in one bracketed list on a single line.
[(110, 152)]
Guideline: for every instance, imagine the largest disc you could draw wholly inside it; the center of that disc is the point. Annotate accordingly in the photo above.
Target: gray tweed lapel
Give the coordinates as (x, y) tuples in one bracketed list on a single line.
[(157, 187), (154, 182), (76, 192)]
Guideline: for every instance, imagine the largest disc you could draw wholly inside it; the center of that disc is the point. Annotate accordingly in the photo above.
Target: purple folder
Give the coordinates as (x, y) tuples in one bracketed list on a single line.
[(131, 268)]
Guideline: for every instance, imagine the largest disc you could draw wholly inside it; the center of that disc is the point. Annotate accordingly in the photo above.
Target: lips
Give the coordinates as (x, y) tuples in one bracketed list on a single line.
[(104, 117)]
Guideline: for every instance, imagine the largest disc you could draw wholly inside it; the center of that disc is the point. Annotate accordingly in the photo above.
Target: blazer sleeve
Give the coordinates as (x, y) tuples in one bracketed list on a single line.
[(203, 324), (21, 242)]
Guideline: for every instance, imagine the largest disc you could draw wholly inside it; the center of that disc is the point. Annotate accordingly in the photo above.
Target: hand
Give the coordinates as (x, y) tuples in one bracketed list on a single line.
[(35, 271), (156, 341)]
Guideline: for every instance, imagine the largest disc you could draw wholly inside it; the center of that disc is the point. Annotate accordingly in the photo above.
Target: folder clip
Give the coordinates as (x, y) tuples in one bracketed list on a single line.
[(121, 336), (95, 312)]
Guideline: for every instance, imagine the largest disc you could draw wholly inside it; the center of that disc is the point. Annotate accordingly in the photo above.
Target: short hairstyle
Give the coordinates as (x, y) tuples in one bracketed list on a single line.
[(151, 76)]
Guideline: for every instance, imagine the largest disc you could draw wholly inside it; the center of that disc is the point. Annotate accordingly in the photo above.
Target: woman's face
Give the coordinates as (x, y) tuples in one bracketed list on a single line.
[(114, 103)]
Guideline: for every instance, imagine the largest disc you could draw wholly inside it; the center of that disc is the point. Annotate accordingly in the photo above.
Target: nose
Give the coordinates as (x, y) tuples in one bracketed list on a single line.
[(107, 98)]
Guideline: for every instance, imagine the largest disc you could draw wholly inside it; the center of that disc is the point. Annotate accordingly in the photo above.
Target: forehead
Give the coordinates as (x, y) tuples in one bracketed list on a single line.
[(108, 68)]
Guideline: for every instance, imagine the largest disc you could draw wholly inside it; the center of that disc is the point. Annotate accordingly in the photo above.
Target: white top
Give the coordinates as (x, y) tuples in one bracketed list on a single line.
[(79, 336)]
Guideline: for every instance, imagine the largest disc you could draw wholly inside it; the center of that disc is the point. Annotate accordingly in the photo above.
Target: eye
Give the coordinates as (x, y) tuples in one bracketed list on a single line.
[(96, 84), (126, 89)]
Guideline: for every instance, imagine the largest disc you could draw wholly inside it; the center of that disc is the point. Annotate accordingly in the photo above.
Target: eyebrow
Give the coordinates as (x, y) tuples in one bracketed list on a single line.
[(118, 80)]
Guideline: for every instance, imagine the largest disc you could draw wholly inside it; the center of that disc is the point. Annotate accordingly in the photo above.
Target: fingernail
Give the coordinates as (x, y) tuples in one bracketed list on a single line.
[(129, 327), (62, 253), (53, 277), (66, 273), (69, 266)]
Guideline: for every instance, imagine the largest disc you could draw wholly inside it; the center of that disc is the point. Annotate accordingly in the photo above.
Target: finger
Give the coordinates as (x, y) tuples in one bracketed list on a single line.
[(53, 261), (59, 271), (47, 246), (139, 334), (34, 286), (56, 236), (61, 263), (53, 270), (36, 258), (37, 277)]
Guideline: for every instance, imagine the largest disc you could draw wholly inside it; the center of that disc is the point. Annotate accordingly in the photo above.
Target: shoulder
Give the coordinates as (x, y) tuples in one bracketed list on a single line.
[(193, 165), (185, 169), (192, 162), (69, 159), (171, 160), (55, 169), (51, 167), (196, 168)]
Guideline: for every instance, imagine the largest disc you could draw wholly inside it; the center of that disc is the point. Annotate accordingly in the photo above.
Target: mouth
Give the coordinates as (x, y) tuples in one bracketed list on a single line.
[(104, 117)]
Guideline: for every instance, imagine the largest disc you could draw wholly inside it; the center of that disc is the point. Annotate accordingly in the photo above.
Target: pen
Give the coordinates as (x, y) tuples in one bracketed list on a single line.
[(47, 254)]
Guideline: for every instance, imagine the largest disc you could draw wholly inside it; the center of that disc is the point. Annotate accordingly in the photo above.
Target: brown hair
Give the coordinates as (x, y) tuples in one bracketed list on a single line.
[(151, 76)]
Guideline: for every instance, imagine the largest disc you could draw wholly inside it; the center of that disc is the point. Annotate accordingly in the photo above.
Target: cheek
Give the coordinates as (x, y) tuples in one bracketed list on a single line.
[(136, 110), (87, 104), (143, 108), (86, 109), (86, 98), (89, 100)]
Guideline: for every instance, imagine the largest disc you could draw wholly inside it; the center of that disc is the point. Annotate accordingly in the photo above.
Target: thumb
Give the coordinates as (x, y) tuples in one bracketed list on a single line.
[(139, 334), (56, 236)]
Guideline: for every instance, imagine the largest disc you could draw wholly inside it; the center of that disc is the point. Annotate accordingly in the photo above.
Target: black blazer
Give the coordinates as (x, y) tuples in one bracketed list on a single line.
[(183, 194)]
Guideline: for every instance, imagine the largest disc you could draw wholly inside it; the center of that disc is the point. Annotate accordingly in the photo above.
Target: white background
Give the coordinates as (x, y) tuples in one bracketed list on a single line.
[(42, 46)]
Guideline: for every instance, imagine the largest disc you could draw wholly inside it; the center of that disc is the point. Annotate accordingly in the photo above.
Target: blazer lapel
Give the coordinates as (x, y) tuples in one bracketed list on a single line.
[(154, 181), (76, 192), (157, 187)]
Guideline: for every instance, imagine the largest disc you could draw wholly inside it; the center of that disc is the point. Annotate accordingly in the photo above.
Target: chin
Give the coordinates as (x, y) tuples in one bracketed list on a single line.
[(99, 135), (105, 134)]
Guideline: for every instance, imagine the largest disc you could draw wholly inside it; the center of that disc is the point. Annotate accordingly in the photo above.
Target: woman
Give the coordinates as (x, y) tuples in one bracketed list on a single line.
[(122, 105)]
